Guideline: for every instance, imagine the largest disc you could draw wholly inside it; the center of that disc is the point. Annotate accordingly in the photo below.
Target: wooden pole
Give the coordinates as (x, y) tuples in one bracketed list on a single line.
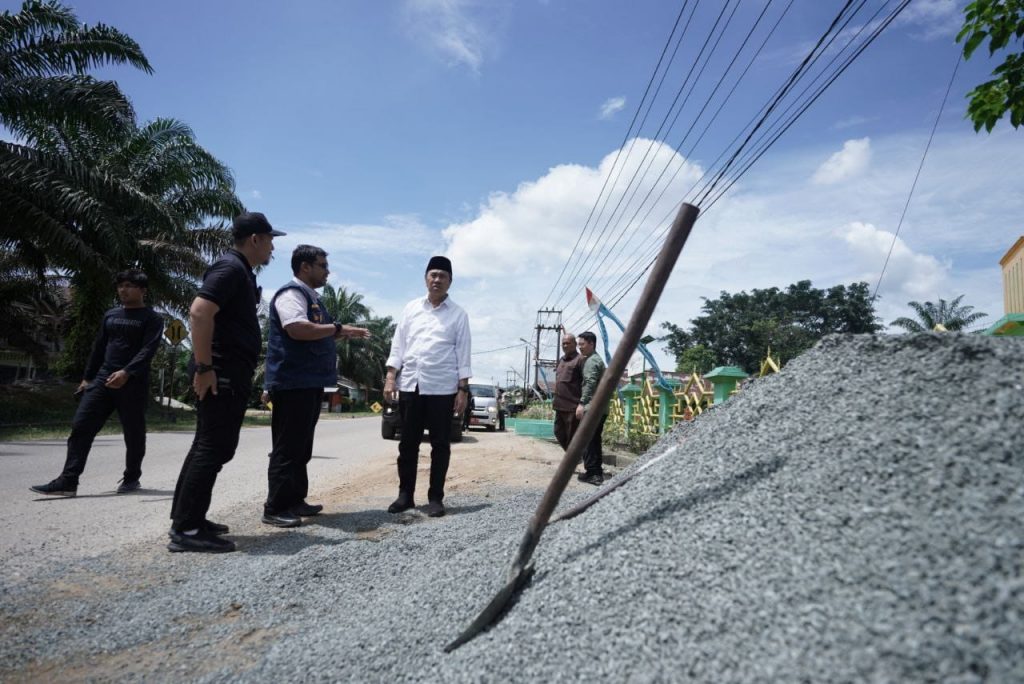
[(519, 572)]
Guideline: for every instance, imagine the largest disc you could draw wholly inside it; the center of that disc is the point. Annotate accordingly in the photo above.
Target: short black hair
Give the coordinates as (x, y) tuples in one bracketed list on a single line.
[(589, 337), (305, 254), (133, 276)]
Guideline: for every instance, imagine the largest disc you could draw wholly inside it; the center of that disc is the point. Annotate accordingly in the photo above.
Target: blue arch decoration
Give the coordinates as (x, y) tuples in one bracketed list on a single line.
[(602, 311)]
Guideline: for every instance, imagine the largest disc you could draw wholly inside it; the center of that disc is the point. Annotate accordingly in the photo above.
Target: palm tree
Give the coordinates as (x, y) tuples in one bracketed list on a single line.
[(344, 306), (186, 187), (366, 359), (45, 53), (951, 316)]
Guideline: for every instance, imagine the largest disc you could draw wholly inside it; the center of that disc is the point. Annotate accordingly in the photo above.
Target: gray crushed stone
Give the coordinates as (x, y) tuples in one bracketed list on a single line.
[(857, 517)]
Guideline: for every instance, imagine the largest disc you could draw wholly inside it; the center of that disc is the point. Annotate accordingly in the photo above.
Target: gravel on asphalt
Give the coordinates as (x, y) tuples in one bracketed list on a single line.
[(856, 517)]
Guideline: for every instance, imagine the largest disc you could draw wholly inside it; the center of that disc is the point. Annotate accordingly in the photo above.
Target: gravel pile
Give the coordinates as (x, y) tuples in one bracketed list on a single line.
[(856, 517)]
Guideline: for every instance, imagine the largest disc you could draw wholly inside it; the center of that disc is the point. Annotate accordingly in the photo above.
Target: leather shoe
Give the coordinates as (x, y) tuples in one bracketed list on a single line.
[(306, 510), (285, 519), (434, 509), (400, 504)]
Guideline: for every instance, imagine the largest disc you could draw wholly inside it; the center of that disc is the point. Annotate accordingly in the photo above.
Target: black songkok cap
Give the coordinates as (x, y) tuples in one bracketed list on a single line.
[(440, 263)]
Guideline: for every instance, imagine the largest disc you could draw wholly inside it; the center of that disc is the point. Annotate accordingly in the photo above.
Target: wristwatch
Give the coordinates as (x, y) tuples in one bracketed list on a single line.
[(203, 368), (337, 328)]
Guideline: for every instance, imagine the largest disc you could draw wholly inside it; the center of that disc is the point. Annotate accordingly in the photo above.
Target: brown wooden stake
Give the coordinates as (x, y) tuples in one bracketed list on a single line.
[(519, 572)]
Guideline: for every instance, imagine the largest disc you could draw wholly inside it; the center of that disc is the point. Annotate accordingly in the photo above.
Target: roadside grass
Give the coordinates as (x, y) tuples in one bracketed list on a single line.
[(44, 411)]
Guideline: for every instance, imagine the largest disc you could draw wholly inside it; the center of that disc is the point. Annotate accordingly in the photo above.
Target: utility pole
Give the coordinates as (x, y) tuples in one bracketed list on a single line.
[(547, 320)]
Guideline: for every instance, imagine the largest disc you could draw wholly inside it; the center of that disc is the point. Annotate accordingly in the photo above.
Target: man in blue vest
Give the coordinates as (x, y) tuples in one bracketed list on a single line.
[(301, 361)]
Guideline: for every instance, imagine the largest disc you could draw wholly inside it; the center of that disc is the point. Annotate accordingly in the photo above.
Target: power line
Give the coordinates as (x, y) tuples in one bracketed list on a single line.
[(771, 133), (920, 166), (685, 158), (625, 139), (656, 138)]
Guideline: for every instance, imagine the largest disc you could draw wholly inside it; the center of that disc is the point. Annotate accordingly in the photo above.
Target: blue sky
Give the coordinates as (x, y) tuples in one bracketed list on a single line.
[(389, 131)]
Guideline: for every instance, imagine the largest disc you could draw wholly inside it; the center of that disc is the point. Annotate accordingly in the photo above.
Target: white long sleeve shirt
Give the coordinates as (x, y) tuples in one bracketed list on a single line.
[(431, 347)]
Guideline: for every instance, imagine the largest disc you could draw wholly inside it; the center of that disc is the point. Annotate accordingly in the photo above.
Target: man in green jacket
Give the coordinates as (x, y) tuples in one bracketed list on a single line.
[(593, 369)]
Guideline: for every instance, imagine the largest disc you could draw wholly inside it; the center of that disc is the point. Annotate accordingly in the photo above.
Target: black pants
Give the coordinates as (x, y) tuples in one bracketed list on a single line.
[(218, 422), (96, 405), (566, 425), (594, 454), (433, 412), (296, 412)]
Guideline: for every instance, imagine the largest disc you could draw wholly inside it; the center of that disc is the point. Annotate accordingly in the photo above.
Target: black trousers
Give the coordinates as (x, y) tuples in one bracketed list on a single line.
[(594, 454), (95, 407), (218, 422), (293, 422), (433, 412), (566, 425)]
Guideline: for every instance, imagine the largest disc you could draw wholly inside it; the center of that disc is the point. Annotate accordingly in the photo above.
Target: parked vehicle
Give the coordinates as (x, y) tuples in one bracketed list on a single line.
[(485, 407), (391, 422)]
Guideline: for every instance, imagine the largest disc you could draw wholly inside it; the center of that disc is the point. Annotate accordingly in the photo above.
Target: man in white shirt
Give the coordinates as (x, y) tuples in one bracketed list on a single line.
[(428, 374), (301, 361)]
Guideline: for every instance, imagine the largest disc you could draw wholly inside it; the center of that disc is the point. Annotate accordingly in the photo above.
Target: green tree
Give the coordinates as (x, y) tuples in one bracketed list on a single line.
[(950, 315), (1000, 21), (696, 359), (737, 329)]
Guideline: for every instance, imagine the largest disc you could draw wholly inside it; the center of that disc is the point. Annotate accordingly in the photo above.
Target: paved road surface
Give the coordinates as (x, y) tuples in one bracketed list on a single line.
[(36, 529)]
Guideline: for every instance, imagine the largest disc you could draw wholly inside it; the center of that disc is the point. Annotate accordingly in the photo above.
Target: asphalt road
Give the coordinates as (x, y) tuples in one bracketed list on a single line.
[(36, 529)]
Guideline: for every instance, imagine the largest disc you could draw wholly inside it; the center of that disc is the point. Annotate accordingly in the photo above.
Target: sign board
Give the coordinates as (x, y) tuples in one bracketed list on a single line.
[(376, 407), (175, 331)]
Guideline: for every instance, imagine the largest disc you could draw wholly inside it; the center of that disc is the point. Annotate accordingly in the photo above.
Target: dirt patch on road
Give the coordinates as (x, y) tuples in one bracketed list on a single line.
[(478, 462)]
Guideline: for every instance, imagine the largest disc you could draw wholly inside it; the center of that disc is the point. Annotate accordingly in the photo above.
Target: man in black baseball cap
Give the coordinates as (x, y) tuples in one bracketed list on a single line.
[(252, 223), (225, 352)]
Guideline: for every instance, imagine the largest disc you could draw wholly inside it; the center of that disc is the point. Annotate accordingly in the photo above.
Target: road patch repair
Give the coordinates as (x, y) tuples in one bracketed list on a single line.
[(858, 516)]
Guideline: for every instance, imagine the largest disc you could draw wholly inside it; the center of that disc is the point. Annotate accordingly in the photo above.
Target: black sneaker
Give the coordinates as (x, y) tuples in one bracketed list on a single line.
[(434, 509), (592, 478), (306, 510), (128, 486), (285, 519), (202, 541), (58, 487), (215, 528)]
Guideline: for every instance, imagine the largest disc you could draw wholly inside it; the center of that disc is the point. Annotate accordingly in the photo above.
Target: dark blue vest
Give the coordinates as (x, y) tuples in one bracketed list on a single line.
[(295, 364)]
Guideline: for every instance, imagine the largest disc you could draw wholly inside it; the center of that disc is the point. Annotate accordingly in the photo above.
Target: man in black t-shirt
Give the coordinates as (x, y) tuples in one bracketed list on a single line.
[(225, 347), (116, 377)]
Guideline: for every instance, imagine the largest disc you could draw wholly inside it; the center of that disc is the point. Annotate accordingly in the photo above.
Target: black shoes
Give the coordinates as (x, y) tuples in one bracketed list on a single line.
[(215, 528), (434, 509), (126, 487), (402, 503), (58, 487), (286, 519), (591, 478), (306, 510), (203, 541)]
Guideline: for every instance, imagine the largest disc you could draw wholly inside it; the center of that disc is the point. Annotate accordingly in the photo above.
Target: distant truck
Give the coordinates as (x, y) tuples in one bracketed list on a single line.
[(485, 407)]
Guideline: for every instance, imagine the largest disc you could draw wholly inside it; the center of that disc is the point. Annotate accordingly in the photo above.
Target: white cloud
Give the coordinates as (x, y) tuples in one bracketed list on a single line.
[(448, 29), (772, 230), (256, 194), (933, 18), (611, 106), (908, 274), (848, 162), (852, 122), (397, 235)]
